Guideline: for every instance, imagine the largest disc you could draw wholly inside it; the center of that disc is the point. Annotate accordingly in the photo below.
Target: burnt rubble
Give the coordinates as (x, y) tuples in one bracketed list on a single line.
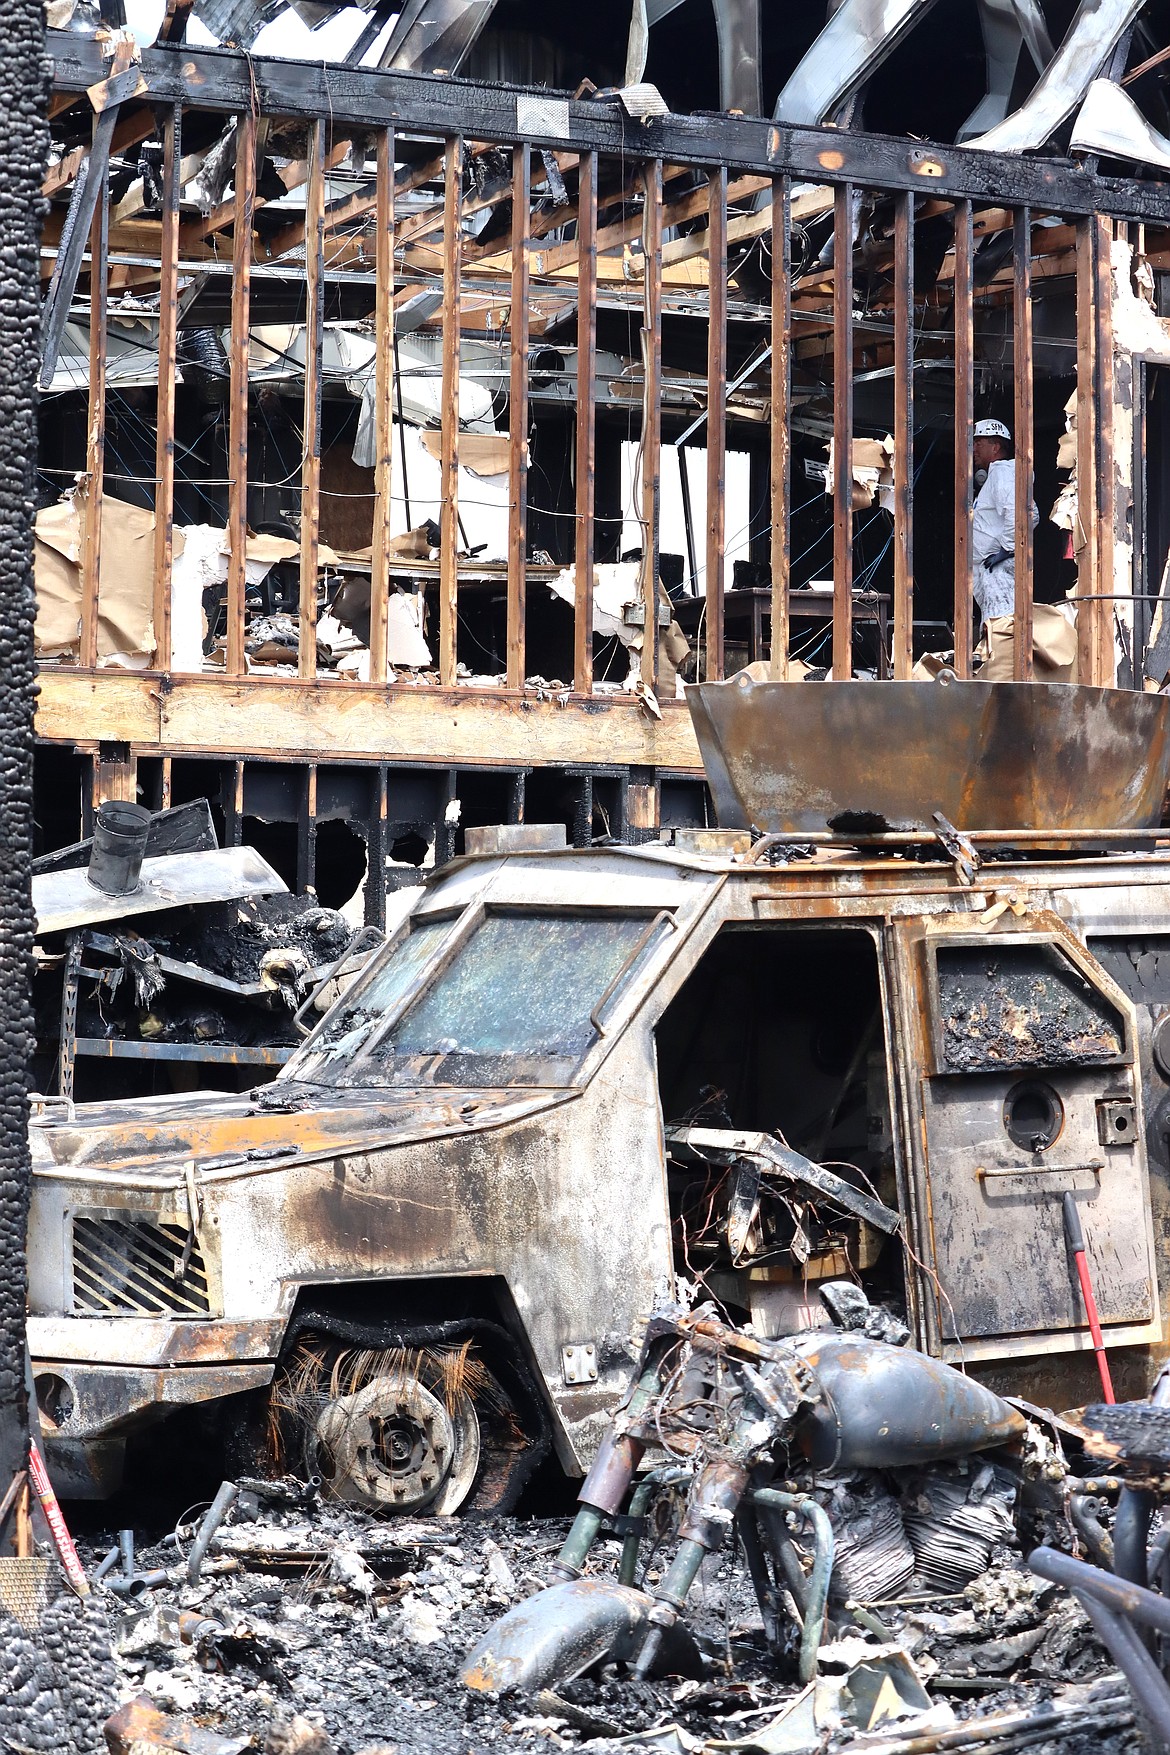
[(208, 983), (882, 1597), (357, 1629)]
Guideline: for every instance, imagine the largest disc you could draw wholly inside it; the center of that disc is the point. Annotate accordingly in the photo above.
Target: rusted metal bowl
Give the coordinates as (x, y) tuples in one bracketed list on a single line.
[(870, 756)]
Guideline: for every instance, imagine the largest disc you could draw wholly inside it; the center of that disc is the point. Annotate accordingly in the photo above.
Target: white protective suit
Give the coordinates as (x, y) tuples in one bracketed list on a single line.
[(993, 540)]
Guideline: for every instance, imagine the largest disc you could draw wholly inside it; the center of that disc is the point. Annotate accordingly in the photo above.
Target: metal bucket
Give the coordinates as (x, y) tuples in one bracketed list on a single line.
[(868, 757), (119, 844)]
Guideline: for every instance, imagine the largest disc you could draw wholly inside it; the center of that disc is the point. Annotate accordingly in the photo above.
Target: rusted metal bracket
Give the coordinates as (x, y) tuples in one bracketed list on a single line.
[(792, 1166), (960, 847), (68, 1039)]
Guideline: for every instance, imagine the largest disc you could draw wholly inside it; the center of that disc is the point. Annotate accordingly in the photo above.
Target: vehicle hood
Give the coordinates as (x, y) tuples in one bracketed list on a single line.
[(224, 1132)]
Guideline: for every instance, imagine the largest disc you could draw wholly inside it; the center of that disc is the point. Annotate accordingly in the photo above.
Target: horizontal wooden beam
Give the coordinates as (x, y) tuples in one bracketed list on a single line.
[(335, 720), (370, 97), (361, 203), (293, 175)]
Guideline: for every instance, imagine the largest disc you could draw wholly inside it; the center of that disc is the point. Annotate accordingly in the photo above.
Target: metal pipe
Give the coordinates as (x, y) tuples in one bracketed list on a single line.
[(684, 482), (139, 1583), (665, 1476), (218, 1510), (1131, 1535), (1156, 1558), (761, 1576), (401, 434), (608, 1480), (126, 1549), (1118, 1595), (824, 1553), (577, 1544), (871, 1623), (1090, 1529), (170, 1575), (1141, 1672), (794, 1573), (107, 1565), (671, 1595)]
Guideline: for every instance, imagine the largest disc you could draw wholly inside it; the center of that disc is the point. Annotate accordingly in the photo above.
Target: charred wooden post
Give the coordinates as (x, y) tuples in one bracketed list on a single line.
[(383, 402), (378, 848), (842, 431), (233, 808), (95, 448), (1022, 372), (1105, 662), (1086, 533), (780, 415), (716, 415), (168, 328), (311, 417), (307, 831), (903, 436), (651, 412), (238, 388), (449, 463), (586, 422), (518, 419), (963, 308), (115, 774)]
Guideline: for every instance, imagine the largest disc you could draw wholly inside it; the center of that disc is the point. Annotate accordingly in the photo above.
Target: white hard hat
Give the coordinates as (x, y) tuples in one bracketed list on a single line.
[(992, 429)]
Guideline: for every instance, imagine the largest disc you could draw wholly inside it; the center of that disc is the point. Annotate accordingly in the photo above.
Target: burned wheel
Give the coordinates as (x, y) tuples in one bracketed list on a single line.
[(397, 1446), (428, 1426)]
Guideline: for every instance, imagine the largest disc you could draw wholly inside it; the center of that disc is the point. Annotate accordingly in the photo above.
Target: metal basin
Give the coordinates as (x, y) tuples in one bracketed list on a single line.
[(870, 756)]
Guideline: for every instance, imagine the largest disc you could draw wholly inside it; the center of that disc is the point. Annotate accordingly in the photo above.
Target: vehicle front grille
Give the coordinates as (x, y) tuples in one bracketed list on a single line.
[(134, 1266)]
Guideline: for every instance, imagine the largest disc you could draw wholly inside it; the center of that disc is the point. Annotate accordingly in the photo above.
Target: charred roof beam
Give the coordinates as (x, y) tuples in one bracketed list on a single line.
[(231, 83)]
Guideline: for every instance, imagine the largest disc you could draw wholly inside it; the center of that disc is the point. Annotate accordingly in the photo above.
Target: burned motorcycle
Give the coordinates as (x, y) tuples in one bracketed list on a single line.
[(734, 1414)]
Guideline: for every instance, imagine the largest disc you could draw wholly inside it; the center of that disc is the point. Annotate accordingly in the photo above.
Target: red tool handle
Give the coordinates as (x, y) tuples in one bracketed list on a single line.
[(1072, 1226), (43, 1487)]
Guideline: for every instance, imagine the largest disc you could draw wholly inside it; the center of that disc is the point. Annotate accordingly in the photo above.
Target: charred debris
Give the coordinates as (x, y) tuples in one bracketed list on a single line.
[(838, 1543), (846, 1520), (792, 1192), (161, 951)]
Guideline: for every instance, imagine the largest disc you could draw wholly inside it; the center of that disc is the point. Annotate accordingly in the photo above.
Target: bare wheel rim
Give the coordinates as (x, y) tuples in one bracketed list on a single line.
[(396, 1446)]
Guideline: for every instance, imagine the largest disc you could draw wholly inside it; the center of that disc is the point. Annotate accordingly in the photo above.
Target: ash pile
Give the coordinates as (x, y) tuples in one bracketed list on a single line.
[(783, 1546)]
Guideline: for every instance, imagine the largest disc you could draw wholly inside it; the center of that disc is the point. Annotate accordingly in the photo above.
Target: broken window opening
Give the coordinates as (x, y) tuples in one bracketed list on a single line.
[(518, 998), (780, 1031), (1021, 1005)]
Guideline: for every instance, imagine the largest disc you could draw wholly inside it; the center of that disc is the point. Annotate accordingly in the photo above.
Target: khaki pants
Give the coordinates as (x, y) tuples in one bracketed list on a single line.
[(1054, 646)]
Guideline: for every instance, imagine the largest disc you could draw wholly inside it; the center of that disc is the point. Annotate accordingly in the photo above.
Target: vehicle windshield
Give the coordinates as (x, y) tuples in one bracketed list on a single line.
[(513, 999)]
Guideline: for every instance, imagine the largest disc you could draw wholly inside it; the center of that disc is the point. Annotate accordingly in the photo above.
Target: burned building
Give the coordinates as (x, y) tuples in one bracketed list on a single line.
[(388, 402), (417, 419)]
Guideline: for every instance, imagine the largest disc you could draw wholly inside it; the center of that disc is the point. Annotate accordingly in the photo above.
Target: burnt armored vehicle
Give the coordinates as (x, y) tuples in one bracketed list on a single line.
[(881, 1039)]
